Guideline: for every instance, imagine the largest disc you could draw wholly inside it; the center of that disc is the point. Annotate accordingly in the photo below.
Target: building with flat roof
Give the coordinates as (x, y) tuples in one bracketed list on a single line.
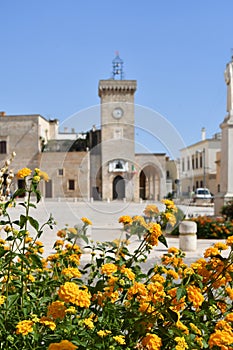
[(99, 164)]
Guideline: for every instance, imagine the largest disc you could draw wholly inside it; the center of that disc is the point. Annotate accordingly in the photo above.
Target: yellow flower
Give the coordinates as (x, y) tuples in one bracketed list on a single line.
[(71, 293), (170, 205), (72, 230), (36, 178), (120, 339), (125, 220), (195, 296), (86, 221), (44, 175), (173, 274), (28, 239), (221, 339), (109, 268), (71, 272), (47, 321), (75, 258), (89, 323), (139, 219), (195, 329), (154, 232), (221, 246), (128, 272), (151, 342), (31, 278), (229, 317), (170, 218), (151, 210), (39, 243), (173, 250), (230, 292), (2, 299), (59, 242), (63, 345), (103, 333), (70, 310), (138, 289), (181, 343), (230, 241), (211, 251), (24, 172), (24, 327), (182, 327), (61, 233), (57, 310)]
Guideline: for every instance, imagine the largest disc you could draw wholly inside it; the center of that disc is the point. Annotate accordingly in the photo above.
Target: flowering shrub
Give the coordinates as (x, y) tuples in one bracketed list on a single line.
[(60, 302), (211, 227), (227, 210)]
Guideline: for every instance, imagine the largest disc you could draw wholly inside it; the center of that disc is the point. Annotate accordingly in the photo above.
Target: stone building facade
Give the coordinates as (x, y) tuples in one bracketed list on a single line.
[(99, 165), (198, 165)]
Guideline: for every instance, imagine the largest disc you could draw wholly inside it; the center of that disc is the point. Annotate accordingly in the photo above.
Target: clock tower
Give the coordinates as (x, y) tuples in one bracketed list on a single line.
[(117, 135)]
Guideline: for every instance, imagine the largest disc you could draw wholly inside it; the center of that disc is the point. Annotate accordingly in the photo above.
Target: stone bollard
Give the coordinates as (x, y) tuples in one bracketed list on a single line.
[(188, 236)]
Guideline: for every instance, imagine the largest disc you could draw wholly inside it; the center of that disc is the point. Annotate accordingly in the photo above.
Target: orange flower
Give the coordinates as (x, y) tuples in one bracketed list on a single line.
[(195, 296), (151, 342), (151, 210), (125, 220), (108, 269), (24, 172), (63, 345)]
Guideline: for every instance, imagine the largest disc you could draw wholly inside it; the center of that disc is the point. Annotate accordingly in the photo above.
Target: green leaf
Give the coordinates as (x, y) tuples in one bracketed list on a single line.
[(36, 259), (23, 205), (84, 237), (24, 259), (163, 240), (174, 316), (38, 195), (181, 291), (22, 221), (19, 192), (34, 223), (32, 205), (12, 299)]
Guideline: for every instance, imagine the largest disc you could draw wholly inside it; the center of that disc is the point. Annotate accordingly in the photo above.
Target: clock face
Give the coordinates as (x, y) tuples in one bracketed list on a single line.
[(117, 113)]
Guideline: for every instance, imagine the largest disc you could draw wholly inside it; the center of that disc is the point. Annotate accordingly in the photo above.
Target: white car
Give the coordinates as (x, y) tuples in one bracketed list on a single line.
[(204, 194)]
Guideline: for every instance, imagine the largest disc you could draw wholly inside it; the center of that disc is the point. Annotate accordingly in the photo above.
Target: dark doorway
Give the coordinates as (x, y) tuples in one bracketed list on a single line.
[(142, 190), (118, 187), (48, 189)]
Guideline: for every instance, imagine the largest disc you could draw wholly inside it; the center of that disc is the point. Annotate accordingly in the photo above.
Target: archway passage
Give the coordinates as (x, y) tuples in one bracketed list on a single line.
[(149, 183), (118, 188)]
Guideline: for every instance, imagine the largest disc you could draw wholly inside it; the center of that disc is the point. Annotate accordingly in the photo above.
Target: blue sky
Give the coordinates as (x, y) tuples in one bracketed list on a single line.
[(53, 54)]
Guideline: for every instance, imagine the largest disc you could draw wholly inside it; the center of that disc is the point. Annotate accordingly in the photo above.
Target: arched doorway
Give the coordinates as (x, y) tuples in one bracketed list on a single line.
[(118, 188), (149, 182)]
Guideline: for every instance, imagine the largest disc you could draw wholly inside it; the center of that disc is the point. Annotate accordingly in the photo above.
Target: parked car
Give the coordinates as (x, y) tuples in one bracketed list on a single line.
[(203, 194)]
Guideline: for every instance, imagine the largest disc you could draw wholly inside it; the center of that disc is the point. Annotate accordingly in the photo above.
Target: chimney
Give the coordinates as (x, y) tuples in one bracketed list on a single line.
[(203, 134)]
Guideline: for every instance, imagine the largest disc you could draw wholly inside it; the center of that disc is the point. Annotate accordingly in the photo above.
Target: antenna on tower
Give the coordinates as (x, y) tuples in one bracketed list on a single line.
[(117, 67)]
